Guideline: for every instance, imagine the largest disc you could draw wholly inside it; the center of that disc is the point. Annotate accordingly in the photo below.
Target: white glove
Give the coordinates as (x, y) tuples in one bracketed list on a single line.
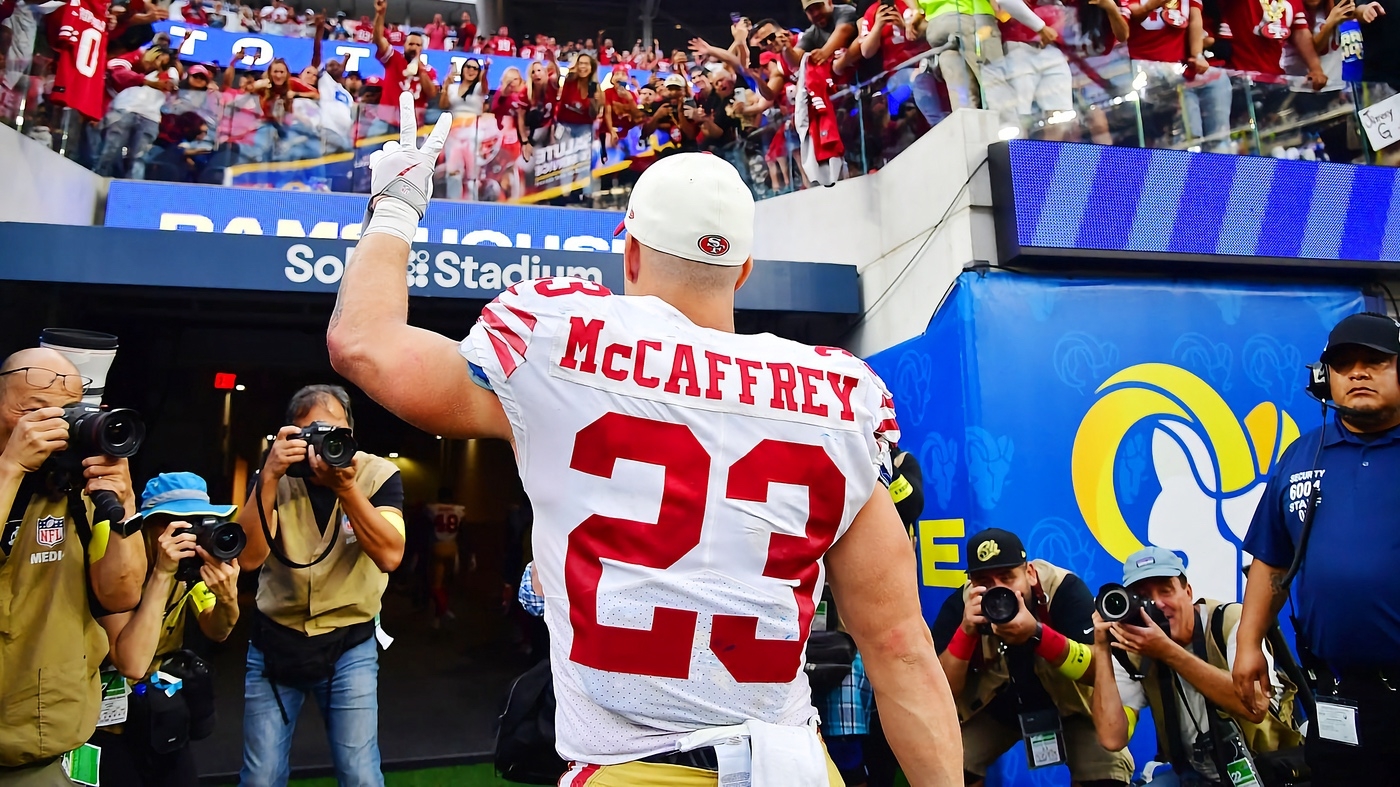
[(401, 176)]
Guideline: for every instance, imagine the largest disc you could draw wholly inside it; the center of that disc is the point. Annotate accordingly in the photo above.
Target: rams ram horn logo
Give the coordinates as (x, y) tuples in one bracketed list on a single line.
[(1211, 467)]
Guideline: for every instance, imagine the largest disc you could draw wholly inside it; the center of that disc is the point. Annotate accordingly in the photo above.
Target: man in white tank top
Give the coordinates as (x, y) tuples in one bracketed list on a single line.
[(691, 486)]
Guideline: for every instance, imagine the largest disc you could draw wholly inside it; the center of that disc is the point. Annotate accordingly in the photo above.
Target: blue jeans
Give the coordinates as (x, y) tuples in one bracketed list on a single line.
[(349, 705), (129, 131), (1208, 109)]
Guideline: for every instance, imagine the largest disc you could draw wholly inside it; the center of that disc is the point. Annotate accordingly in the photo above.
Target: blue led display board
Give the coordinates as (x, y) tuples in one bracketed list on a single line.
[(1057, 201)]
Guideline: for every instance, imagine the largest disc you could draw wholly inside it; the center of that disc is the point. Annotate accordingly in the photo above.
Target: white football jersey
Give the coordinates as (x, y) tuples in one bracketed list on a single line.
[(686, 484)]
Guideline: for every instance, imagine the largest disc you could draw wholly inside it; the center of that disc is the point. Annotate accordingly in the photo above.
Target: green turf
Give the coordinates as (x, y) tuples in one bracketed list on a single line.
[(459, 776)]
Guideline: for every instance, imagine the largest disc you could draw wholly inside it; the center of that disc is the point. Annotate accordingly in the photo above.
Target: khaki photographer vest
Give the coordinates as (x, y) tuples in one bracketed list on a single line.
[(1276, 731), (993, 675), (342, 590), (50, 646)]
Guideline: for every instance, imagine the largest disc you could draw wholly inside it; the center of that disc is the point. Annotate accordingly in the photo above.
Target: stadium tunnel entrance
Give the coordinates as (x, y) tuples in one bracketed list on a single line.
[(440, 687)]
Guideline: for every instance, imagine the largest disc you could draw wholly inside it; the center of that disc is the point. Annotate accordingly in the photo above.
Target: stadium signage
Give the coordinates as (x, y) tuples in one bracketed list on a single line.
[(315, 215), (212, 261)]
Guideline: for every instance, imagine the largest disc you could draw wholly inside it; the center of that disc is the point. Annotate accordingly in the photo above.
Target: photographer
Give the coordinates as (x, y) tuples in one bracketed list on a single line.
[(1028, 675), (54, 558), (184, 578), (1331, 511), (1183, 674), (331, 518)]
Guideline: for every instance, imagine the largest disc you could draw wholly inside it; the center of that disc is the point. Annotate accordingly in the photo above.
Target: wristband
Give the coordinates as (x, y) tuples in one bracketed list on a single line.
[(963, 645), (392, 216), (1052, 644)]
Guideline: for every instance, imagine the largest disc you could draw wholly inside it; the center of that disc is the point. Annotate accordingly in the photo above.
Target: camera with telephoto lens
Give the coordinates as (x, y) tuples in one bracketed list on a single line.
[(1000, 605), (221, 538), (1117, 604), (334, 444), (94, 430)]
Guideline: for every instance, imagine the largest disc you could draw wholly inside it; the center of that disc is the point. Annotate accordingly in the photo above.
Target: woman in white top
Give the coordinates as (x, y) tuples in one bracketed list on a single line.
[(464, 94)]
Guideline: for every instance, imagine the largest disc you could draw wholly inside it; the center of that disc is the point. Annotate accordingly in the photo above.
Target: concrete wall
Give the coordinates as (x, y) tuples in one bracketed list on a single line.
[(42, 187), (909, 229)]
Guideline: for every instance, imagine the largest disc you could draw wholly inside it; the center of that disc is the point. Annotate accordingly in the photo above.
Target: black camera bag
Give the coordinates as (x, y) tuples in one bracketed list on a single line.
[(828, 660), (525, 736), (292, 659), (197, 687)]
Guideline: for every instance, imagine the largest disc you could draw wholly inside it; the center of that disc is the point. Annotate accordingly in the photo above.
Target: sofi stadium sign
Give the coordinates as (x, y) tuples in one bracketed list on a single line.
[(300, 214)]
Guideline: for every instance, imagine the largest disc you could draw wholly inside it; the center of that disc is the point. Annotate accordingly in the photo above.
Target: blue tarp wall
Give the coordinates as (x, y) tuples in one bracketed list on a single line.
[(1092, 416)]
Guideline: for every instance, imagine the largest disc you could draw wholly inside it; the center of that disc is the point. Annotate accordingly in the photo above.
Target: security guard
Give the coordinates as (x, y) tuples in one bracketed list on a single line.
[(336, 534), (50, 557), (1345, 477), (1026, 679), (1183, 674)]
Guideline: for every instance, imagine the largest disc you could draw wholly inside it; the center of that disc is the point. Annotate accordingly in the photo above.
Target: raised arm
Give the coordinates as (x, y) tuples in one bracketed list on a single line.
[(381, 44), (416, 374), (320, 22), (872, 572)]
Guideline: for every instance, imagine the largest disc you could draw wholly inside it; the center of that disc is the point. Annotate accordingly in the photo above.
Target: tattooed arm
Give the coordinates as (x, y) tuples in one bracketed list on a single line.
[(1263, 598)]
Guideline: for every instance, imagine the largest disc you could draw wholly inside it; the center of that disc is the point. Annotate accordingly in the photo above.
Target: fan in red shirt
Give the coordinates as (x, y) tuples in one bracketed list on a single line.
[(501, 43), (466, 32), (1258, 29), (607, 53), (79, 81), (364, 31), (895, 46), (619, 106), (579, 96), (395, 36), (403, 71), (194, 13), (1157, 29)]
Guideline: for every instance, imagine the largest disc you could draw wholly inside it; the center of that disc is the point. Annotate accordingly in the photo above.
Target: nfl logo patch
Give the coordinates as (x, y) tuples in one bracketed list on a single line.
[(50, 532)]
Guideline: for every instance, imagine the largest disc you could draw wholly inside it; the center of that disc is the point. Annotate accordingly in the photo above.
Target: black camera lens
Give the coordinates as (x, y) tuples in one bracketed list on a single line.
[(1000, 605), (222, 540), (94, 431), (1115, 605), (334, 450)]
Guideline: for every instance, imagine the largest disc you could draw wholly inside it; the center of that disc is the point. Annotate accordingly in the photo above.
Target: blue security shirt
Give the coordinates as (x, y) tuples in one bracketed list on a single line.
[(1348, 590)]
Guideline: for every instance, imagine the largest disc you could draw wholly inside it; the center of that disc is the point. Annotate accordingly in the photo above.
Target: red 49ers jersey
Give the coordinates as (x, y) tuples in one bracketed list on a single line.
[(686, 483), (79, 79)]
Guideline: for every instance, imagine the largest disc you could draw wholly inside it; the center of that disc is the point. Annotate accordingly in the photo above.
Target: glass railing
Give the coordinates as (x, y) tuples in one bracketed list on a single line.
[(242, 139)]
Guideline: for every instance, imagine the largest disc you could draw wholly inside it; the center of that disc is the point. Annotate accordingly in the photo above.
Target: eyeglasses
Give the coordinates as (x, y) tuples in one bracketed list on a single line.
[(43, 379), (768, 39)]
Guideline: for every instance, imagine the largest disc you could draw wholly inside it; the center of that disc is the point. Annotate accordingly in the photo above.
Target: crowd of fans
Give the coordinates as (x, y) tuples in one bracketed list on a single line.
[(862, 85)]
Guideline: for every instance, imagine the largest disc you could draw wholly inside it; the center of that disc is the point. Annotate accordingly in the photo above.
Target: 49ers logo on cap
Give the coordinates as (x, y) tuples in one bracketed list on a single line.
[(714, 245)]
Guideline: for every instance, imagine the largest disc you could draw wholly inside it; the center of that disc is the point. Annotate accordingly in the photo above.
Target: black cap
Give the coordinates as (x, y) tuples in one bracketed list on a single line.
[(994, 548), (1368, 329)]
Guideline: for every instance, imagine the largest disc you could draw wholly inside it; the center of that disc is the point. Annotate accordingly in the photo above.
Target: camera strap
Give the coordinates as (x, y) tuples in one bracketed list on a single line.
[(272, 543)]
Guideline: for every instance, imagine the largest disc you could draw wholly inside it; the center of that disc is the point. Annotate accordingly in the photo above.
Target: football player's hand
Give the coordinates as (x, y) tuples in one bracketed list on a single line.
[(401, 175)]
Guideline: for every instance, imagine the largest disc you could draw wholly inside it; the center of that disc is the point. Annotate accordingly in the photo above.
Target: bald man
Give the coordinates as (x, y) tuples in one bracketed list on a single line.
[(50, 645), (691, 487)]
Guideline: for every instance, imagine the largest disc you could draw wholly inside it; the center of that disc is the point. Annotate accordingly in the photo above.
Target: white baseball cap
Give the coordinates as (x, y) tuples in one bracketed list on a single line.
[(693, 206)]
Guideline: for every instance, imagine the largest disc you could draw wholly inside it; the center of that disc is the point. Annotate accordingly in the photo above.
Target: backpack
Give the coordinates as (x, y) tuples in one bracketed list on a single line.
[(525, 732)]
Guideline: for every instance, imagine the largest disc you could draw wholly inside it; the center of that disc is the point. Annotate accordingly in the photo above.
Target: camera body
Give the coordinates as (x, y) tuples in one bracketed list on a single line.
[(1000, 605), (222, 538), (94, 430), (1118, 604), (334, 444)]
